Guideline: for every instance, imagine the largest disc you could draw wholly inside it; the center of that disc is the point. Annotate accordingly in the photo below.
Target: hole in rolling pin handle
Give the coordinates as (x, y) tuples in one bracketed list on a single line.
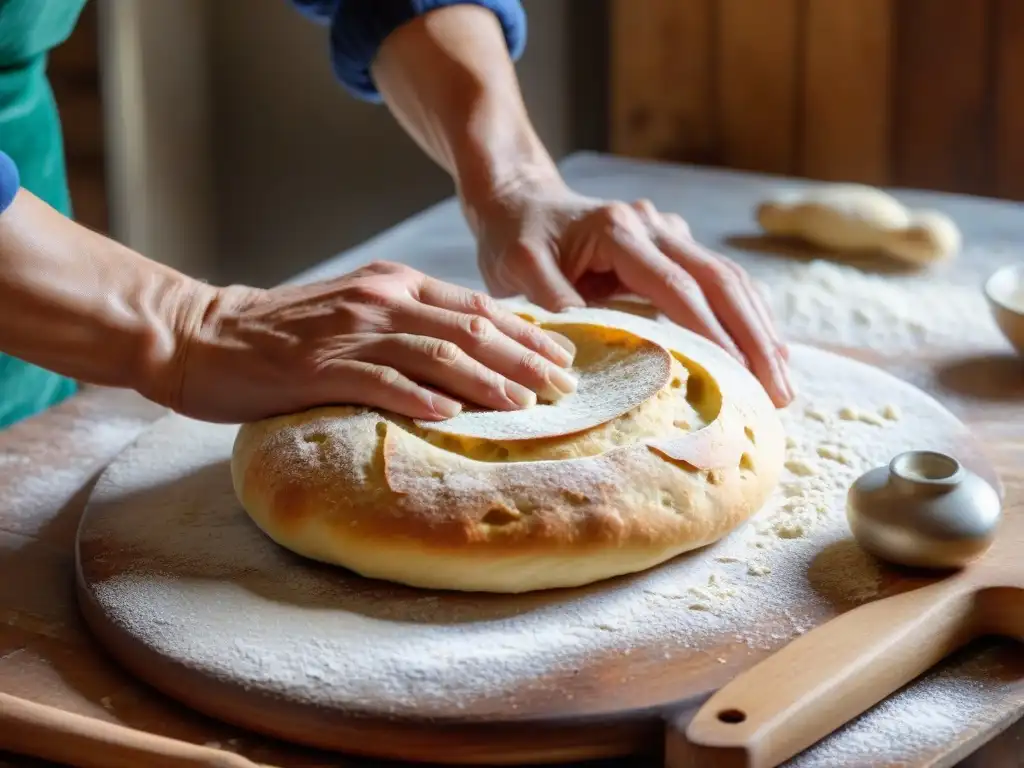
[(732, 716)]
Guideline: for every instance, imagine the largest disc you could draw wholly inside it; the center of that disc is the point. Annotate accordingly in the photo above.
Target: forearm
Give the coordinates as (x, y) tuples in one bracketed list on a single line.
[(81, 305), (450, 82)]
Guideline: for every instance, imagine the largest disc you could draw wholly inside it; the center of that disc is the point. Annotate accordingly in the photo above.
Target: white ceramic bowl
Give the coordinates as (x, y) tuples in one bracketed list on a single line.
[(1005, 292)]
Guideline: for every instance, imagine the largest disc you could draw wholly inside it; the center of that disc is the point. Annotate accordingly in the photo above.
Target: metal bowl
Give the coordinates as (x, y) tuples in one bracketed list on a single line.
[(924, 510)]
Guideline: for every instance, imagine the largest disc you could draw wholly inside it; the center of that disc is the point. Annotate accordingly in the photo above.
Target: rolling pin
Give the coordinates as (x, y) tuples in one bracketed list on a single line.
[(40, 731)]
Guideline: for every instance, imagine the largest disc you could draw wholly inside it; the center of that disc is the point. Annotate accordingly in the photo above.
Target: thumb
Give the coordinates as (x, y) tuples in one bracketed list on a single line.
[(541, 278)]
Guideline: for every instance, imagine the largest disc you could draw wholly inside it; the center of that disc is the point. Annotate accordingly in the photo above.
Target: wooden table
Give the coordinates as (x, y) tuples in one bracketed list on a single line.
[(48, 463)]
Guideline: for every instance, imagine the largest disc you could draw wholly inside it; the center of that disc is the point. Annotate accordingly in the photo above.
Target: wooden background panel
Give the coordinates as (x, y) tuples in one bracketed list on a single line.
[(845, 111), (757, 83), (1009, 101), (942, 123), (661, 98), (919, 93)]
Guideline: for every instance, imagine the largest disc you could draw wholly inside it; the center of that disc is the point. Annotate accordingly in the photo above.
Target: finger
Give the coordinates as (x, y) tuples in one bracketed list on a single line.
[(563, 342), (676, 225), (482, 341), (729, 297), (441, 363), (766, 314), (648, 272), (649, 215), (455, 298), (358, 382), (535, 269)]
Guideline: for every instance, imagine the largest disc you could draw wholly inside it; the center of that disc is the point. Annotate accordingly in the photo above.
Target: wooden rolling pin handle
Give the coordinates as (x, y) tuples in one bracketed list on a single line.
[(824, 679), (39, 731)]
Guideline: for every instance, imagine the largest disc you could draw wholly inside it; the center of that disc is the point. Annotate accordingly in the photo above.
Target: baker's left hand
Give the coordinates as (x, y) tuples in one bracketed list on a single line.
[(561, 249)]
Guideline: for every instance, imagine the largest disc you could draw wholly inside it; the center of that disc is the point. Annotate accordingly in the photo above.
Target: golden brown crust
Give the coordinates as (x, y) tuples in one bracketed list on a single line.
[(363, 489)]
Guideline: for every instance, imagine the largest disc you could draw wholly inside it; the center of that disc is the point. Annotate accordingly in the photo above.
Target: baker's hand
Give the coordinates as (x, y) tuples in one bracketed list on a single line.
[(561, 249), (384, 336)]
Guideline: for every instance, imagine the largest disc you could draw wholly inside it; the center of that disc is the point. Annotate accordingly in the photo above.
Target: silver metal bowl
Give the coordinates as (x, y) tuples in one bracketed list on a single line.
[(924, 510)]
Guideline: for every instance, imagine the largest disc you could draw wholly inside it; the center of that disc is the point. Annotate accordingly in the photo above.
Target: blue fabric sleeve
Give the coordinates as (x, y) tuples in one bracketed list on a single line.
[(10, 181), (359, 27)]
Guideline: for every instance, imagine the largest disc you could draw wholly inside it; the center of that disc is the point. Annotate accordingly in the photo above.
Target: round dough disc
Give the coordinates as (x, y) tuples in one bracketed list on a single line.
[(668, 445)]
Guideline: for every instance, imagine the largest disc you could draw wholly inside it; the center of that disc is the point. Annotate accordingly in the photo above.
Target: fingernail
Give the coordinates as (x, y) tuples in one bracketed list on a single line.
[(519, 394), (444, 407), (560, 384), (566, 346)]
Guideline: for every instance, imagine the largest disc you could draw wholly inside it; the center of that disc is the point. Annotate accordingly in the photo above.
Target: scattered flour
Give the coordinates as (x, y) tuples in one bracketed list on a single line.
[(915, 720), (840, 304), (194, 579), (26, 492)]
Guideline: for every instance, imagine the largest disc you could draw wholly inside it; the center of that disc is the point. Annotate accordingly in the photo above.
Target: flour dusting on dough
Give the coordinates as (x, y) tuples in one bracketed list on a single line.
[(612, 378)]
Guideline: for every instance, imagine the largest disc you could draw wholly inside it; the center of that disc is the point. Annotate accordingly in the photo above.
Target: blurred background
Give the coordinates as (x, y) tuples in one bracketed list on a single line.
[(213, 137)]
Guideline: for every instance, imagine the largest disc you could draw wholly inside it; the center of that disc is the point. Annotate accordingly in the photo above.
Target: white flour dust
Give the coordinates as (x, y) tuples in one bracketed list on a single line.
[(841, 304), (207, 587), (88, 446), (914, 720)]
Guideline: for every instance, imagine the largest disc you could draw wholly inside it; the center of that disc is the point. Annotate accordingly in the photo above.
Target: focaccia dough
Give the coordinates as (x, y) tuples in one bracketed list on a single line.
[(668, 445), (854, 217)]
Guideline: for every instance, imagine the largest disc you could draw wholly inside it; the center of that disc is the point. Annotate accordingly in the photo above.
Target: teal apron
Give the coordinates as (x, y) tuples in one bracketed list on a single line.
[(30, 133)]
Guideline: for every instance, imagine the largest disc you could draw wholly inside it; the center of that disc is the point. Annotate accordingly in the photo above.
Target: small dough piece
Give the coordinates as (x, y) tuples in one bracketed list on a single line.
[(691, 459), (854, 217), (615, 373)]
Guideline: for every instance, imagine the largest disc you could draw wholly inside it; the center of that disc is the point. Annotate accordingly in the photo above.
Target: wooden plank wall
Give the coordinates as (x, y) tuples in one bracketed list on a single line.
[(74, 72), (917, 93)]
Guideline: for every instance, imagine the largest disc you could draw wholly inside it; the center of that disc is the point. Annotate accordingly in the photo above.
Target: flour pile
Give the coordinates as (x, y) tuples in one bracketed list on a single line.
[(841, 304)]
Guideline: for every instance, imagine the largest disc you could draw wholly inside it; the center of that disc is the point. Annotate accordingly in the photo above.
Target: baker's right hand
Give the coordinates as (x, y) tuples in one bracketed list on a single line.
[(384, 336)]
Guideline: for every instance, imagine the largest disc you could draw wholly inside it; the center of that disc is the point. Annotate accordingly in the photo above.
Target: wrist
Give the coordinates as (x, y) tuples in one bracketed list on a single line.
[(492, 175), (201, 325), (173, 309)]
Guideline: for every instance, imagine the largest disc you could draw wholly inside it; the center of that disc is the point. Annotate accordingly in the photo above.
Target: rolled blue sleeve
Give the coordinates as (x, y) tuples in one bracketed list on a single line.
[(359, 27), (10, 181)]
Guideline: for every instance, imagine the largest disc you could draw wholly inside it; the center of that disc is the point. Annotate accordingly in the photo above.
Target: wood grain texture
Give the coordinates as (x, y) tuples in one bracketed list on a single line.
[(662, 98), (913, 93), (941, 84), (756, 83), (1009, 132), (845, 112), (836, 671)]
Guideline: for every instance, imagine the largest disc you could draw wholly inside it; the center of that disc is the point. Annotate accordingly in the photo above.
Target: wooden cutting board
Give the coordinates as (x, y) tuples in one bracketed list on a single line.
[(183, 589)]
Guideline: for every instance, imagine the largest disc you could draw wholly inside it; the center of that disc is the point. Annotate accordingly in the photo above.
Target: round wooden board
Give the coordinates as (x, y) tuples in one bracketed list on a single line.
[(185, 591)]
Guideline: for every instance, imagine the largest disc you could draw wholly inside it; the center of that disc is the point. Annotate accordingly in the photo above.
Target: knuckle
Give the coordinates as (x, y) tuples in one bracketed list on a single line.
[(532, 336), (724, 278), (682, 283), (618, 215), (532, 364), (645, 207), (443, 352), (480, 303), (384, 375), (678, 224), (478, 328)]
